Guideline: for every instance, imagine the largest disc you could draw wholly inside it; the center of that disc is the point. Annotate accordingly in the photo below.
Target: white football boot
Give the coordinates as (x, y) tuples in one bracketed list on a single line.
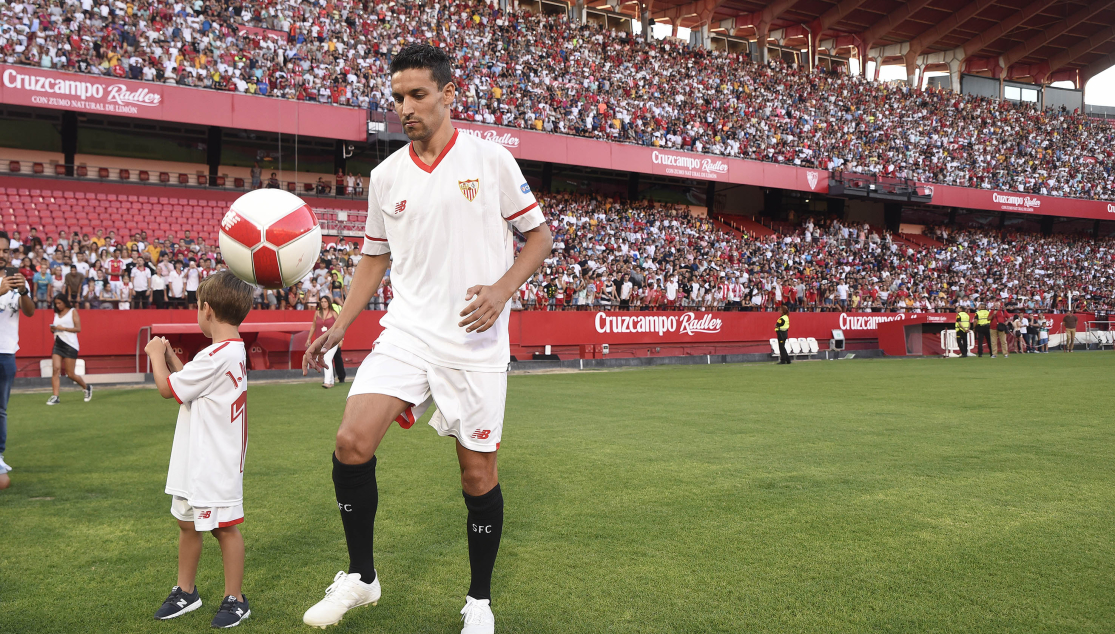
[(478, 617), (346, 592)]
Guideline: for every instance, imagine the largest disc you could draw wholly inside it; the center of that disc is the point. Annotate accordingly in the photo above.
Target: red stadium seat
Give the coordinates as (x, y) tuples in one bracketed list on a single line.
[(102, 172), (220, 181), (125, 174), (144, 176), (13, 166), (59, 169), (82, 171), (164, 177), (183, 179), (202, 179), (238, 183)]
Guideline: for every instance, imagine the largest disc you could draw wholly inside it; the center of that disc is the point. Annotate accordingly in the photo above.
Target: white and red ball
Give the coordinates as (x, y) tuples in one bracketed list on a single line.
[(270, 238)]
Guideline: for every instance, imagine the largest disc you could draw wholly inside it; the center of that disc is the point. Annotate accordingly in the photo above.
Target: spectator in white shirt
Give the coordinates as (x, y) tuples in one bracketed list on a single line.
[(193, 278), (176, 283)]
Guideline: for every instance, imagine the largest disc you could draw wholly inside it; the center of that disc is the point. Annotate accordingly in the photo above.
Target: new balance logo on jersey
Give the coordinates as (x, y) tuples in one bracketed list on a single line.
[(481, 434), (470, 188), (204, 515), (399, 207)]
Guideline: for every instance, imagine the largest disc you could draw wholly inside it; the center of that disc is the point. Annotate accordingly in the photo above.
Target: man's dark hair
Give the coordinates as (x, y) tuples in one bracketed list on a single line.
[(4, 236), (229, 296), (424, 56)]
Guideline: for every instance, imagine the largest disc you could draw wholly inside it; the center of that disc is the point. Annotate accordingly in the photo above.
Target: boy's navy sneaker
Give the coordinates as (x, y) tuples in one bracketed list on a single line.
[(178, 603), (231, 612)]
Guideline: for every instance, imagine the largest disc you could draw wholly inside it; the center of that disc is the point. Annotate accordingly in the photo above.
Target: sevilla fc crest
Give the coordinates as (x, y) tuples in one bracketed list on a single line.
[(470, 188)]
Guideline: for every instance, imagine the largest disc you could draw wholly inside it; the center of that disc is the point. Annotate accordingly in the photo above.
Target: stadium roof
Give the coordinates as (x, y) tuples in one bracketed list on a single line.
[(1037, 40)]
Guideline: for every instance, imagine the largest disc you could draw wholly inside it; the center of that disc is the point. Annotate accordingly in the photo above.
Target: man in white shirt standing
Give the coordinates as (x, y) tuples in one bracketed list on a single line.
[(440, 213), (15, 298)]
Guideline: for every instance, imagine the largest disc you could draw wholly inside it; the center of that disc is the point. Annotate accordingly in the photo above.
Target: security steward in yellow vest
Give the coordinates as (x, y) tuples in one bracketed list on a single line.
[(983, 329), (782, 330), (963, 325)]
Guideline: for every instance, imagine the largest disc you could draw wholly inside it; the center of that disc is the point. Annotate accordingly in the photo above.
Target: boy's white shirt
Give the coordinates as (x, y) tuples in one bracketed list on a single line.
[(211, 436)]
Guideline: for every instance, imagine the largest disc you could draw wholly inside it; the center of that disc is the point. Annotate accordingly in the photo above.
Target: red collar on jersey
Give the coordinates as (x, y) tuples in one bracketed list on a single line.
[(429, 169)]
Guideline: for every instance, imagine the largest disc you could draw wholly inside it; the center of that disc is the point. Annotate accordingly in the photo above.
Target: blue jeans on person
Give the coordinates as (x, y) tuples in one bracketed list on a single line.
[(7, 376)]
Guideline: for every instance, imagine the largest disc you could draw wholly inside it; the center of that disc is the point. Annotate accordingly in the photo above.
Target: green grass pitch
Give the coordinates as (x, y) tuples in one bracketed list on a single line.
[(853, 496)]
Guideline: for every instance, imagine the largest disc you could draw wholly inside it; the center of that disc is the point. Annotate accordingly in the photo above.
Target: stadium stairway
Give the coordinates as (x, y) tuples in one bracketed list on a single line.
[(742, 224), (922, 241), (61, 205)]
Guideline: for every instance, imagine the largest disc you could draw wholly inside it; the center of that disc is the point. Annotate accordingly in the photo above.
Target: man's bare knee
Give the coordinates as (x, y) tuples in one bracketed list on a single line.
[(366, 419), (477, 478), (352, 446)]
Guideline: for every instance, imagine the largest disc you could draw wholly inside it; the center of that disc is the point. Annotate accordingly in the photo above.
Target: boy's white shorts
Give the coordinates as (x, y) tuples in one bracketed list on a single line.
[(470, 404), (206, 519)]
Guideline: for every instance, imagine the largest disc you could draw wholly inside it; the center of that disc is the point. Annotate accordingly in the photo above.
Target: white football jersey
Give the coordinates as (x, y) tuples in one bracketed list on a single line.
[(448, 228), (211, 437)]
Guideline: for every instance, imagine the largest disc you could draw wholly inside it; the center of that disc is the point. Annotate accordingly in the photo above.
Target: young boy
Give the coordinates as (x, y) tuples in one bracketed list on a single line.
[(206, 475)]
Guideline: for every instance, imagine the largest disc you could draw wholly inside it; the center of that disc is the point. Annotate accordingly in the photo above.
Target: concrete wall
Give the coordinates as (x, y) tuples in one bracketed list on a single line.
[(742, 199), (982, 86), (864, 211), (1067, 97)]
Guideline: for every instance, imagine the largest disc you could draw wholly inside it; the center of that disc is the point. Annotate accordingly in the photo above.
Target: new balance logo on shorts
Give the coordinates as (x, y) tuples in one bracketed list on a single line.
[(481, 434), (204, 515)]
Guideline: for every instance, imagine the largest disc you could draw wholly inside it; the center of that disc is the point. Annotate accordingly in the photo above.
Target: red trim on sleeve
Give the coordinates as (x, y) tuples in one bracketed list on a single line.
[(232, 523), (375, 239), (517, 214), (429, 169), (218, 348), (171, 386)]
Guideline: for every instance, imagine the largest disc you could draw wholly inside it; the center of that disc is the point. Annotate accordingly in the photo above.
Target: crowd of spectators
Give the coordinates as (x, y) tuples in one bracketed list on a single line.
[(646, 256), (612, 254), (548, 74)]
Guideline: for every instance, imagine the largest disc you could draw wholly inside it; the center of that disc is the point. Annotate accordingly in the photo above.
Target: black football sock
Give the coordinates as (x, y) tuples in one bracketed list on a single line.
[(357, 499), (485, 526)]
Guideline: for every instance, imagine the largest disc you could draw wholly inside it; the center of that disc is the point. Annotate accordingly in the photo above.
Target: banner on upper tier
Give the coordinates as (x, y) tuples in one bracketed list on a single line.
[(42, 88), (539, 146)]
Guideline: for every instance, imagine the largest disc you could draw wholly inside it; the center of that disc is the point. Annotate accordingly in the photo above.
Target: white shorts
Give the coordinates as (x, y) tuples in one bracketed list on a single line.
[(206, 519), (469, 404)]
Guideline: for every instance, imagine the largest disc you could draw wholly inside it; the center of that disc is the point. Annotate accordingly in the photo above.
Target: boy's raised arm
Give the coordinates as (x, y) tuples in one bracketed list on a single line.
[(156, 351)]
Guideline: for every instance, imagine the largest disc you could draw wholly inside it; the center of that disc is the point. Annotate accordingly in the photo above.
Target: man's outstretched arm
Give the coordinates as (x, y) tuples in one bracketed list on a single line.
[(365, 281)]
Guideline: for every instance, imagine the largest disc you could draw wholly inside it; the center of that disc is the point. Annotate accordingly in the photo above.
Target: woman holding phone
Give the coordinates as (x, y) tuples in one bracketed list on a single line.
[(64, 355)]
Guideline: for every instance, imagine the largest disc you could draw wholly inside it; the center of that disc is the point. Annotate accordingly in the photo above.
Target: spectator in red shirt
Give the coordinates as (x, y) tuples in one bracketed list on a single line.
[(1000, 323)]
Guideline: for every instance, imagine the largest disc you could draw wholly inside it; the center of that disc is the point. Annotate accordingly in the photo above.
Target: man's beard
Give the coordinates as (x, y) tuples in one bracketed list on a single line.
[(418, 133)]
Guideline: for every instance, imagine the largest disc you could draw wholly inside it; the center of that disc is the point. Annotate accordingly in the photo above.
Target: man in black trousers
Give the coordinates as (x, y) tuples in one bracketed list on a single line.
[(782, 329)]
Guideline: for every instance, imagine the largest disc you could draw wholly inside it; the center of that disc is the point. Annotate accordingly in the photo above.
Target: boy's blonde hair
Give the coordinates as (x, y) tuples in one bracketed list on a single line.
[(229, 296)]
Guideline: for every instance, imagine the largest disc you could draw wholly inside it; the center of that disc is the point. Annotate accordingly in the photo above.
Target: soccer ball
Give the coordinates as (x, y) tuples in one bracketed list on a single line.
[(270, 238)]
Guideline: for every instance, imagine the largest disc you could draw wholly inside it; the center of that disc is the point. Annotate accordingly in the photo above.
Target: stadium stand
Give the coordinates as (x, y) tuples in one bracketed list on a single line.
[(673, 259), (543, 73), (676, 261), (75, 206)]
